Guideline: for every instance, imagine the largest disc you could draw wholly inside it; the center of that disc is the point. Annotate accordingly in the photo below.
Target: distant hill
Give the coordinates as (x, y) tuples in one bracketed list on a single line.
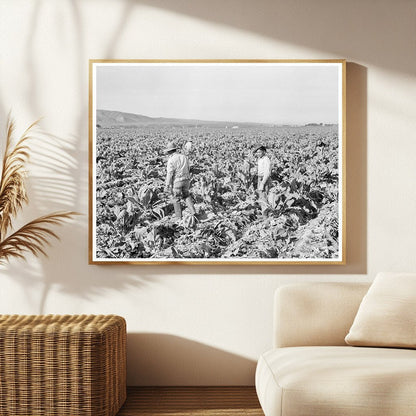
[(107, 118), (110, 118)]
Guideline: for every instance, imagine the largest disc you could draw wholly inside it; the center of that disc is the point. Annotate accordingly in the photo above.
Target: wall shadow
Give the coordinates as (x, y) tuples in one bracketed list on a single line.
[(356, 159), (337, 28), (169, 360)]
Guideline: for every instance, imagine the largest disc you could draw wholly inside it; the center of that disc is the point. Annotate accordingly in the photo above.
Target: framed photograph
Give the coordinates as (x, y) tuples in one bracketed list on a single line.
[(217, 162)]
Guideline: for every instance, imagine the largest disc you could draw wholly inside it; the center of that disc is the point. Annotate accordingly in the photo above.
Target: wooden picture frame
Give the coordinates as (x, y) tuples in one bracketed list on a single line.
[(215, 114)]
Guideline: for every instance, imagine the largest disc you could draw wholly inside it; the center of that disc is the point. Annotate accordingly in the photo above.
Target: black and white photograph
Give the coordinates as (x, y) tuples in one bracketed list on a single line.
[(217, 162)]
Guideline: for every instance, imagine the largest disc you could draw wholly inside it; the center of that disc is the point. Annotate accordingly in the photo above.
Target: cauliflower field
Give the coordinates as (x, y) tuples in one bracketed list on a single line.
[(300, 220)]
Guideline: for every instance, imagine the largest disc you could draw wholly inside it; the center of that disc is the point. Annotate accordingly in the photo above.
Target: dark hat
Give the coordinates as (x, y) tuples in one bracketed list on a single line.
[(263, 148)]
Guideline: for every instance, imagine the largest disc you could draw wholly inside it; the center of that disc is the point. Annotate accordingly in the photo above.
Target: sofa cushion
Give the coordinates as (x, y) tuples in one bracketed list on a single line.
[(342, 381), (387, 314), (313, 314)]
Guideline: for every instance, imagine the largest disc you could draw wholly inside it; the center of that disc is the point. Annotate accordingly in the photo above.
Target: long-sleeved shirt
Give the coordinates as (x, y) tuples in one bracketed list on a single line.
[(177, 168)]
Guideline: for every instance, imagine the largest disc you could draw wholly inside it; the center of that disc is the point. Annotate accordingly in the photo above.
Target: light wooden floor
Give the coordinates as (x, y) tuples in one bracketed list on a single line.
[(191, 401)]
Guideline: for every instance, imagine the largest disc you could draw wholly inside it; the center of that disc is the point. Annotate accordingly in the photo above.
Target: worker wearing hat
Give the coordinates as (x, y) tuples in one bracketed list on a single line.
[(263, 172), (178, 180)]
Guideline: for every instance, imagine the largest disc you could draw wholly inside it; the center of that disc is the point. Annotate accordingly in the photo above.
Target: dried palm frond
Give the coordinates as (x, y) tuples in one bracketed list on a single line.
[(33, 237), (12, 182)]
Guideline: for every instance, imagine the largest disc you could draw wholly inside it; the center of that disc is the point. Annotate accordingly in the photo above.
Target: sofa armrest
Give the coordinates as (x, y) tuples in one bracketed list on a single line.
[(308, 314)]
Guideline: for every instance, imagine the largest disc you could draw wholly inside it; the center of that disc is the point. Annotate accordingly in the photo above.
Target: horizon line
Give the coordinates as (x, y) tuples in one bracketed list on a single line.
[(304, 123)]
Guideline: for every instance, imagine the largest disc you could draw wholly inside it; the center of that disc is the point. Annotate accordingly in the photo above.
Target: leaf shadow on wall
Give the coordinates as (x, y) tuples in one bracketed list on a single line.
[(338, 28), (53, 186), (163, 359)]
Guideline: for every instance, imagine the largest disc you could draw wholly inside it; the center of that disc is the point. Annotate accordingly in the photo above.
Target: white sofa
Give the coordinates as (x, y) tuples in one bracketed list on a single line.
[(311, 371)]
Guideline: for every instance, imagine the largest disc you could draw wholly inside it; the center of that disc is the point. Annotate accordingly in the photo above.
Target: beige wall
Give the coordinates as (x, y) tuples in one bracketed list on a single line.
[(194, 324)]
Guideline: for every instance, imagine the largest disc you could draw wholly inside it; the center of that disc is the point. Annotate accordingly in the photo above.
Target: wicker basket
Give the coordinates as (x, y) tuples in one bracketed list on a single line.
[(70, 365)]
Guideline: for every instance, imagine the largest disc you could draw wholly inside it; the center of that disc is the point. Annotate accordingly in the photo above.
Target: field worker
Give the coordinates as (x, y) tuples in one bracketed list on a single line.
[(264, 170), (188, 147), (178, 180)]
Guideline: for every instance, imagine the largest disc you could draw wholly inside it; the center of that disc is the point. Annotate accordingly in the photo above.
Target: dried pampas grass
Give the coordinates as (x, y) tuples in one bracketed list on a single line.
[(34, 236)]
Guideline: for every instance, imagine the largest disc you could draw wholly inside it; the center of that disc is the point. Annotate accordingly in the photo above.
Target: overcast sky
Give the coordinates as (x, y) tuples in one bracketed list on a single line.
[(271, 93)]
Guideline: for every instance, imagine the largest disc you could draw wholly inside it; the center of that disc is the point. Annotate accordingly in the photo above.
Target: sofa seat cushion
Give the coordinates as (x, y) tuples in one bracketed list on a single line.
[(342, 380)]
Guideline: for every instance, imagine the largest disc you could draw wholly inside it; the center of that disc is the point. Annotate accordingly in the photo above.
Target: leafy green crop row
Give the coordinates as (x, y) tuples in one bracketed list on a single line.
[(298, 220)]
